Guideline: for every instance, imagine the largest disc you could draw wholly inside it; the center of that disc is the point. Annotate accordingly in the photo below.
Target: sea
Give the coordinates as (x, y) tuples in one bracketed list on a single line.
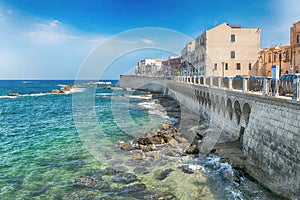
[(67, 146)]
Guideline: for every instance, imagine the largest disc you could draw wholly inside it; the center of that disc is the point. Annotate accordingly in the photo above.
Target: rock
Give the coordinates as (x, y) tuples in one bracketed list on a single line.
[(90, 182), (186, 169), (165, 126), (193, 149), (125, 147), (13, 94), (166, 196), (55, 91), (132, 189), (164, 174), (173, 142), (138, 156), (141, 170), (154, 155), (151, 140), (231, 176), (172, 153), (181, 139), (124, 178), (145, 147)]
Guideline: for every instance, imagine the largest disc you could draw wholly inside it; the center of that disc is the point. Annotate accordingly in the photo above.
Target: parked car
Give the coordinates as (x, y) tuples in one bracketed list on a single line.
[(286, 83)]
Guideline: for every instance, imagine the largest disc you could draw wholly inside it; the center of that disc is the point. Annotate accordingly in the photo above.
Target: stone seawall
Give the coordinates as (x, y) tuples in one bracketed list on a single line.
[(268, 128)]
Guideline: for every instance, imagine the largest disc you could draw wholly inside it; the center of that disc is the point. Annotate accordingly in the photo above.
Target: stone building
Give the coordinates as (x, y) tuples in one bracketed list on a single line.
[(149, 67), (225, 50), (295, 47), (274, 56), (171, 66), (187, 58)]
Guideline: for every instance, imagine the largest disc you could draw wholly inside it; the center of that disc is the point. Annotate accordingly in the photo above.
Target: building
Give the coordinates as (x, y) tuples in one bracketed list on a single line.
[(225, 50), (149, 67), (295, 47), (171, 66), (286, 57), (274, 56), (187, 58)]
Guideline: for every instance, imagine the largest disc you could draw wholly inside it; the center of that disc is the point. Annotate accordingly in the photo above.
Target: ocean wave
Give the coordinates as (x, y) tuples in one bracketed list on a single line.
[(8, 97), (140, 96), (61, 85), (24, 82), (76, 90)]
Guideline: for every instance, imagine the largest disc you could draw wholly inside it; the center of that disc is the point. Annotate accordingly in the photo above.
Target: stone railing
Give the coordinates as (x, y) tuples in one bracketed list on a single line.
[(262, 86)]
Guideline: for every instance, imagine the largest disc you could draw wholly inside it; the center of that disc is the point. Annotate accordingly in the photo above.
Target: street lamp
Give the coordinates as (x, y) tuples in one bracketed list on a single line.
[(280, 64)]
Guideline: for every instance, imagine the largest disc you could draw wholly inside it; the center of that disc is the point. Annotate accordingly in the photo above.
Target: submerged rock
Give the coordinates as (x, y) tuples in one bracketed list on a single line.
[(90, 182), (124, 178), (164, 174), (136, 188)]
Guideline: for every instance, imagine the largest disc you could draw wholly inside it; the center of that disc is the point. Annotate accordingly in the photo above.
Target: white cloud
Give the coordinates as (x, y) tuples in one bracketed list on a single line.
[(147, 41)]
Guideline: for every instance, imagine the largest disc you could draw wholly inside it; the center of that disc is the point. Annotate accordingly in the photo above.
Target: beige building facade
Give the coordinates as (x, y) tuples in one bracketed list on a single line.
[(225, 50), (295, 47)]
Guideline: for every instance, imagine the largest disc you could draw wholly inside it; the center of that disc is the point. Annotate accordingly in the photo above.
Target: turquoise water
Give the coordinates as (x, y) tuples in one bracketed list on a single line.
[(48, 140)]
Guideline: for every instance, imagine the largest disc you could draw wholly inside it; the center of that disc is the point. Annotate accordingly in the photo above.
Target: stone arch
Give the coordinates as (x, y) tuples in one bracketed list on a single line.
[(201, 97), (208, 100), (217, 101), (229, 108), (222, 105), (238, 111), (246, 112)]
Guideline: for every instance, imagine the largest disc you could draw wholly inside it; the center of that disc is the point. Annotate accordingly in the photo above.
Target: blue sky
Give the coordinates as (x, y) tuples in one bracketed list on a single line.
[(52, 39)]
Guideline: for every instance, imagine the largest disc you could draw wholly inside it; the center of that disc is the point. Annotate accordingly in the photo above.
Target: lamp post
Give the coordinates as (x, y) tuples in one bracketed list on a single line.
[(280, 56)]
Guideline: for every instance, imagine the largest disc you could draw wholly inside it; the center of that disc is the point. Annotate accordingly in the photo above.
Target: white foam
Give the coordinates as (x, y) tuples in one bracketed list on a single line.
[(195, 167), (140, 96), (8, 97), (61, 85), (76, 90)]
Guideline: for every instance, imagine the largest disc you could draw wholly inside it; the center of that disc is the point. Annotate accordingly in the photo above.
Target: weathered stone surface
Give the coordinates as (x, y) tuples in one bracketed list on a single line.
[(193, 149), (165, 126), (125, 147), (164, 174), (138, 156), (124, 178), (172, 142)]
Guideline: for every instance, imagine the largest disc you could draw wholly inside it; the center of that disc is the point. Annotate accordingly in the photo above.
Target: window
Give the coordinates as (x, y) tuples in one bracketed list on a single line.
[(232, 54), (238, 66), (274, 56), (232, 38), (269, 58), (298, 39), (216, 66), (249, 66), (226, 66)]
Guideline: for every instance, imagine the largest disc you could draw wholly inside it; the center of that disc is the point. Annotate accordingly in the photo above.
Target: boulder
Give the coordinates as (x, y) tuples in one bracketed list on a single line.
[(165, 126), (173, 142), (125, 147), (164, 174), (193, 149)]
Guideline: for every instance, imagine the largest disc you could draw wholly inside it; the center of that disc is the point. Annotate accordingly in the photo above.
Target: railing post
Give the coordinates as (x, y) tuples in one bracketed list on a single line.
[(204, 80), (245, 87), (229, 83), (219, 82), (296, 90), (266, 87), (211, 81)]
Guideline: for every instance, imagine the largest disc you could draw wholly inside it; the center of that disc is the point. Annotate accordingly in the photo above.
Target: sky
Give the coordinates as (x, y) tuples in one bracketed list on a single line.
[(56, 39)]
